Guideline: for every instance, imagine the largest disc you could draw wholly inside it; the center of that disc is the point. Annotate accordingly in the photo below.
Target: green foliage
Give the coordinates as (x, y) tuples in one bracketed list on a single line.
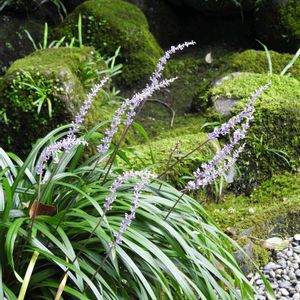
[(273, 142), (107, 25), (141, 156), (185, 257)]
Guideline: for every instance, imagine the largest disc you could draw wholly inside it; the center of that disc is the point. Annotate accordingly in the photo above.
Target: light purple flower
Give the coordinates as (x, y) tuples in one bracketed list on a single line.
[(130, 105), (234, 121), (145, 177), (52, 151), (228, 154), (79, 118), (71, 140)]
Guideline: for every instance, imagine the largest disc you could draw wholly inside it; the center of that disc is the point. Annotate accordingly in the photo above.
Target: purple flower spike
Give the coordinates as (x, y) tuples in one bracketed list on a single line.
[(225, 128), (162, 62), (71, 140), (228, 154), (129, 106), (145, 176), (79, 118), (51, 151)]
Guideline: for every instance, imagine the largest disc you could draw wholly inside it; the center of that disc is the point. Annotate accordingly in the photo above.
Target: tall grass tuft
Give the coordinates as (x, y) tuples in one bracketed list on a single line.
[(63, 234)]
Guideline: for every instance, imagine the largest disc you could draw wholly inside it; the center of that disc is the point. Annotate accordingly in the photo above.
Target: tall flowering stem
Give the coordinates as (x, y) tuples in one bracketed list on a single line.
[(145, 178), (71, 140), (79, 118), (131, 106), (228, 154)]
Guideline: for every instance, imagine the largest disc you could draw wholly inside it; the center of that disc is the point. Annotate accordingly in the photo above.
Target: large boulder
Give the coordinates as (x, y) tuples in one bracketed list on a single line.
[(273, 142), (109, 24), (57, 79), (278, 24)]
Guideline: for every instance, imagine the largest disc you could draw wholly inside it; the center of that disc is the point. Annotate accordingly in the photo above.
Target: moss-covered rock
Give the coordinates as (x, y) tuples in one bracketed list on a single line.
[(278, 23), (273, 142), (109, 24), (55, 79), (254, 61)]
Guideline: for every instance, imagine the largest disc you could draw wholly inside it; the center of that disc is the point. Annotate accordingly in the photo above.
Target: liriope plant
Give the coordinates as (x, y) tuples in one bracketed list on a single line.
[(87, 229)]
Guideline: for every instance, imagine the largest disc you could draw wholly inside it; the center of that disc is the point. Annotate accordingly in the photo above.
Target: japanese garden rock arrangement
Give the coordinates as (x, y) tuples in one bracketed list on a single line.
[(283, 273)]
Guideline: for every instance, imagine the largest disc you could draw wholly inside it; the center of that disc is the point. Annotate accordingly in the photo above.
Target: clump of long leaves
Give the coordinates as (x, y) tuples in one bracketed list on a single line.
[(183, 257)]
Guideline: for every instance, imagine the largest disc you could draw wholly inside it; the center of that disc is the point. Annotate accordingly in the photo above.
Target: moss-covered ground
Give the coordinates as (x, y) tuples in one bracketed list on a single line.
[(273, 209)]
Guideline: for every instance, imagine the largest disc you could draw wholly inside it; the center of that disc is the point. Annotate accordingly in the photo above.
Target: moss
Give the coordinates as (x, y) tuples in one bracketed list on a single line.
[(273, 142), (273, 198), (260, 255), (109, 24), (157, 154), (53, 76), (276, 210), (277, 23), (226, 62), (255, 61)]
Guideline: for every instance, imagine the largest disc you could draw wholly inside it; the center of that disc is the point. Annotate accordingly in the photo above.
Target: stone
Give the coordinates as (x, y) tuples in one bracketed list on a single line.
[(284, 292), (296, 296), (270, 266), (285, 284)]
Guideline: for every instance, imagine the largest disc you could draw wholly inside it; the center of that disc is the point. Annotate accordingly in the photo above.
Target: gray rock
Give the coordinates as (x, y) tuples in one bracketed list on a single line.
[(296, 296), (285, 284), (284, 292), (270, 266), (297, 249)]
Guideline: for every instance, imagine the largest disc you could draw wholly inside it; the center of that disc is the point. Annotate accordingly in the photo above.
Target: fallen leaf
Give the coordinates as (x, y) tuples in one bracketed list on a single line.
[(38, 209), (208, 58)]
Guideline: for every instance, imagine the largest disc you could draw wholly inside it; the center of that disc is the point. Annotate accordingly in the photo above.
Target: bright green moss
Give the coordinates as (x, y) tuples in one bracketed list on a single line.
[(274, 134), (158, 153), (255, 61), (109, 24), (54, 75), (276, 206)]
